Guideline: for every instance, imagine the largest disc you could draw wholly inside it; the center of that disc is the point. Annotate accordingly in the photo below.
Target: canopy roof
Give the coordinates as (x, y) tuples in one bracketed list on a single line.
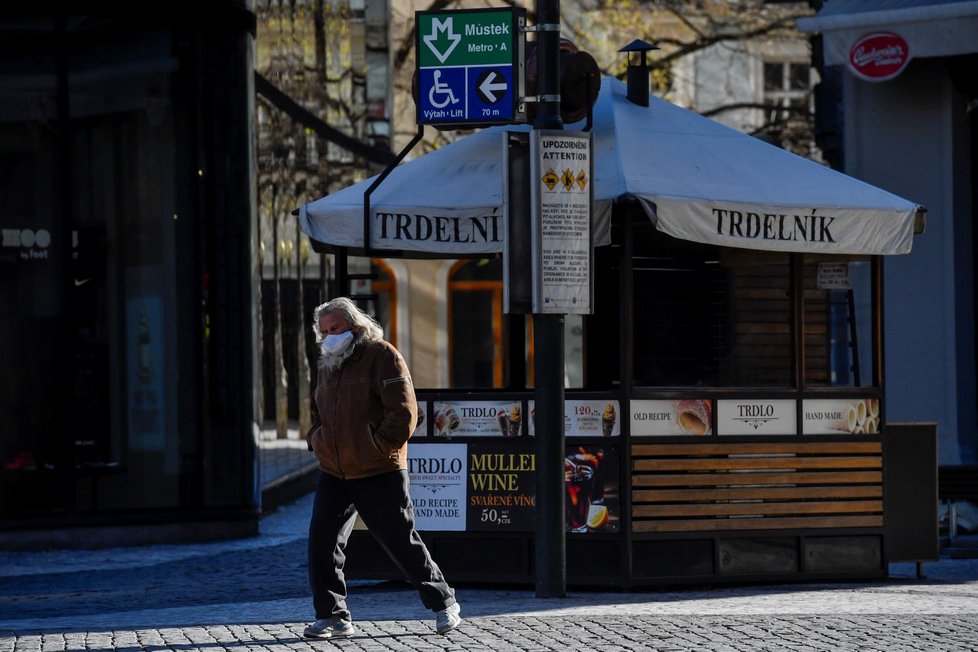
[(697, 180), (931, 28)]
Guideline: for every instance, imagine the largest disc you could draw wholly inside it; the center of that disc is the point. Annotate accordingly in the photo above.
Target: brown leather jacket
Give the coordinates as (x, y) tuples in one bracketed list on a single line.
[(364, 413)]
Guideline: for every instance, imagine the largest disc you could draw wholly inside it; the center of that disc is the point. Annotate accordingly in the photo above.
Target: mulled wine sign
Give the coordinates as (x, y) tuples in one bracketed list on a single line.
[(501, 487)]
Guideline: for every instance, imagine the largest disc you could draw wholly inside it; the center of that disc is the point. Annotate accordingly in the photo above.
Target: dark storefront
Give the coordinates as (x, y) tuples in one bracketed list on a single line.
[(126, 276)]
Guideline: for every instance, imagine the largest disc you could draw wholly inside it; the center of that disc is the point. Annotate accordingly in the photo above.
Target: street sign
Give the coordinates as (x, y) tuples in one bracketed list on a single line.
[(470, 66)]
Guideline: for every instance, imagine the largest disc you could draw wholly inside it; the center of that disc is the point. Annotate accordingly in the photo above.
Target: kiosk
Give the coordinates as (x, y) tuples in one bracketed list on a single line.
[(731, 424)]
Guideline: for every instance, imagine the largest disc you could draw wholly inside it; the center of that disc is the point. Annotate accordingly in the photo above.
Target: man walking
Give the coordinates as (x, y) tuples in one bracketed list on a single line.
[(363, 414)]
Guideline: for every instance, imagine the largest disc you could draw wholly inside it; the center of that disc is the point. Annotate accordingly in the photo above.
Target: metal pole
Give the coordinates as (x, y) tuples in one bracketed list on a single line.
[(550, 550)]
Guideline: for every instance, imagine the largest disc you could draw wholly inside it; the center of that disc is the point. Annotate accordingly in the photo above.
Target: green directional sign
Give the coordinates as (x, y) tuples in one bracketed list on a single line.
[(465, 38), (470, 66)]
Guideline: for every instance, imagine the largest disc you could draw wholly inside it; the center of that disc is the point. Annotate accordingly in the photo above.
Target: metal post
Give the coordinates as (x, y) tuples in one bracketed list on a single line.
[(550, 551)]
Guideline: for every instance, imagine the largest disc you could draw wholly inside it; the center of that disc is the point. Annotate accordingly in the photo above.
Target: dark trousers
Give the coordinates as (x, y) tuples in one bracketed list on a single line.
[(384, 504)]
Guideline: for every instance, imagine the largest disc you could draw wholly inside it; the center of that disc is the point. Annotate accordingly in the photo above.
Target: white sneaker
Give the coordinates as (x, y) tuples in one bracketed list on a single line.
[(447, 619), (329, 628)]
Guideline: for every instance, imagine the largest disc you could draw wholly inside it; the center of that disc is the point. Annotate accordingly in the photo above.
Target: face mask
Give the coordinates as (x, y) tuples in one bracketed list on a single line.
[(336, 343)]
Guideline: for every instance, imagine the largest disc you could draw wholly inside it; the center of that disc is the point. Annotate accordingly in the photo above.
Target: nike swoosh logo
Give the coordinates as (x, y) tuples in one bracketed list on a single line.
[(81, 282)]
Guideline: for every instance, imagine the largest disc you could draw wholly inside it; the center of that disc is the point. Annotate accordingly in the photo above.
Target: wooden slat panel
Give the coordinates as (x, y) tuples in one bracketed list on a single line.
[(758, 359), (775, 294), (795, 523), (761, 329), (760, 448), (806, 484), (711, 479), (758, 509), (756, 493), (750, 463)]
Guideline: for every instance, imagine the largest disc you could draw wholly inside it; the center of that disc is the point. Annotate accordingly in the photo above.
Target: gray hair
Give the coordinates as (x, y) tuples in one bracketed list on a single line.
[(369, 328)]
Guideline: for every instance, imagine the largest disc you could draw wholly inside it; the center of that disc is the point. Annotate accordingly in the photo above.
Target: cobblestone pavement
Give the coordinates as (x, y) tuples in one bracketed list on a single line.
[(557, 633), (253, 595)]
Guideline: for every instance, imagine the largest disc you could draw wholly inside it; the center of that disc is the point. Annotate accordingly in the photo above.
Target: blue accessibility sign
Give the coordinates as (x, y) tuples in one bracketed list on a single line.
[(445, 98), (466, 94)]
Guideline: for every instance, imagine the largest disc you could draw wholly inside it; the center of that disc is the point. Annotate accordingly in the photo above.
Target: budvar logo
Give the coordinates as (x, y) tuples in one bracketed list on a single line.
[(879, 56)]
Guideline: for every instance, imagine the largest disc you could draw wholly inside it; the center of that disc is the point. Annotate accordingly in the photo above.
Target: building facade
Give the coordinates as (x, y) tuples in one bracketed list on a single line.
[(905, 74), (127, 284)]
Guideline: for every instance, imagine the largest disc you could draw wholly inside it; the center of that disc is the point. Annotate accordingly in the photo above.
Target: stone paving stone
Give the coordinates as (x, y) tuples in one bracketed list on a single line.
[(27, 644), (52, 643)]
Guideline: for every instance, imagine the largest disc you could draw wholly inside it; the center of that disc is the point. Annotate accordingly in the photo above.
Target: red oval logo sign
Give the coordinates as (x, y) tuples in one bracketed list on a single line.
[(879, 56)]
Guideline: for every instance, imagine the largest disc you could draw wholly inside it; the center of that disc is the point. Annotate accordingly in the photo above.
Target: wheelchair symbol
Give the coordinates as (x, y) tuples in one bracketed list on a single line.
[(443, 91)]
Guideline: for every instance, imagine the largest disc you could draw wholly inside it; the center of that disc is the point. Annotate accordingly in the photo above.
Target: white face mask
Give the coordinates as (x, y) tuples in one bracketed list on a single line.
[(337, 343)]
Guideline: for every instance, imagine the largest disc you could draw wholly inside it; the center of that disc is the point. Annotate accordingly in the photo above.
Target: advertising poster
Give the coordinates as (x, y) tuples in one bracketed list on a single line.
[(421, 429), (438, 474), (502, 488), (144, 373), (652, 418), (756, 417), (591, 502), (587, 418), (851, 416), (478, 419)]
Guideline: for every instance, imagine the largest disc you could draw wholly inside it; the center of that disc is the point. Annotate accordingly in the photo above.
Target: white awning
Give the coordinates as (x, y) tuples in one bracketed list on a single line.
[(931, 28), (697, 179)]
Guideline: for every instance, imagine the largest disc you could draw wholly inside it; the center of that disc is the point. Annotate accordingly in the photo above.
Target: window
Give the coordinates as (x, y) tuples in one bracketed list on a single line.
[(838, 322), (87, 284), (710, 316), (787, 86), (374, 290), (475, 327)]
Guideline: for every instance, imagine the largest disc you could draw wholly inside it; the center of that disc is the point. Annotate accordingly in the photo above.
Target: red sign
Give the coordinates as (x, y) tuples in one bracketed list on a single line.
[(377, 109), (879, 56)]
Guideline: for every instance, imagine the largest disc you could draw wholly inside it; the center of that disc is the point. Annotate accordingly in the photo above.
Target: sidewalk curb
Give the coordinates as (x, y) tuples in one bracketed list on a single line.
[(289, 487)]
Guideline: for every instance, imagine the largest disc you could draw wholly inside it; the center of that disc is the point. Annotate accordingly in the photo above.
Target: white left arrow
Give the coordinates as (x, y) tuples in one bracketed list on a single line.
[(490, 86), (431, 39)]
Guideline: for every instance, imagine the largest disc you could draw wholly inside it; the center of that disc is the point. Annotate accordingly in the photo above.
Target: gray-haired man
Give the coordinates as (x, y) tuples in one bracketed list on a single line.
[(365, 411)]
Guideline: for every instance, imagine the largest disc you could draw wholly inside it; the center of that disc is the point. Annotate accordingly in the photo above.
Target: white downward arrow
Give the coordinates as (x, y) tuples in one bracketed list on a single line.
[(489, 88), (441, 26)]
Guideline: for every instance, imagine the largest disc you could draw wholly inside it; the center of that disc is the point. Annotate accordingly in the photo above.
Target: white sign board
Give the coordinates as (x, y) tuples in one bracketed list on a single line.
[(438, 482), (838, 416), (663, 417), (757, 417), (586, 418), (560, 206), (832, 276), (478, 419)]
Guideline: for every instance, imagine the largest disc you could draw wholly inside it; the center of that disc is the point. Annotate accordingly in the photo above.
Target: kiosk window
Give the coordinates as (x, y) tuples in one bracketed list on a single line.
[(479, 336), (710, 316), (384, 286), (838, 322), (374, 290), (759, 317), (475, 323)]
